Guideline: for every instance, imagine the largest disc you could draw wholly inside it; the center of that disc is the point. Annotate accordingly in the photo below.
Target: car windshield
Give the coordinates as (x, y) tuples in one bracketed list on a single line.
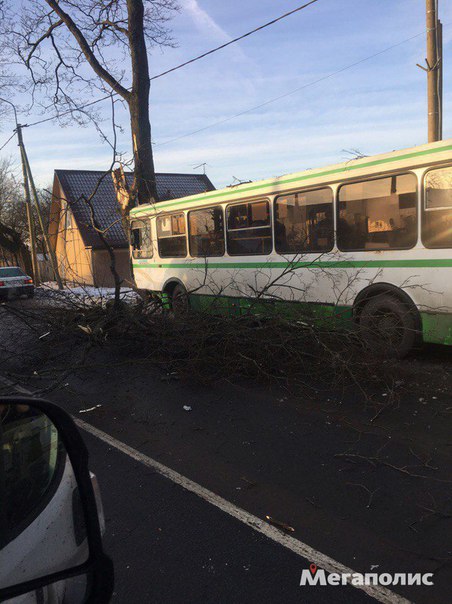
[(11, 272)]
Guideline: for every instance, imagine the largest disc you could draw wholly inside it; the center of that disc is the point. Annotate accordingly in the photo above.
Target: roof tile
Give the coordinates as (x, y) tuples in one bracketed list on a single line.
[(79, 185)]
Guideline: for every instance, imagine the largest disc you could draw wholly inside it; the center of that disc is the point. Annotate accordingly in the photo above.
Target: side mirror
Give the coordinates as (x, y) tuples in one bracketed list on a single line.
[(50, 534)]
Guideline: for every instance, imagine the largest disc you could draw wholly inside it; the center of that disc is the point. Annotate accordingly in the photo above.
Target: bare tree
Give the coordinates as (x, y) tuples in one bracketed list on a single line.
[(11, 242), (13, 220), (13, 213), (102, 228), (57, 39)]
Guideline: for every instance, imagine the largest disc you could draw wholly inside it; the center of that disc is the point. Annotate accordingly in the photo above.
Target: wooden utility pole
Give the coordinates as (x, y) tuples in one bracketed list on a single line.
[(434, 69), (31, 226), (440, 77)]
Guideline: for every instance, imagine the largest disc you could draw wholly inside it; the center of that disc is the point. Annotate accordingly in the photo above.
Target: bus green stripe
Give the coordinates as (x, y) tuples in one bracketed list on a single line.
[(295, 179), (432, 263)]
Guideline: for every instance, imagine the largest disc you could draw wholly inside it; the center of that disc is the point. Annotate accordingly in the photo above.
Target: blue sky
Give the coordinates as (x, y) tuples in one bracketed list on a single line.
[(377, 106)]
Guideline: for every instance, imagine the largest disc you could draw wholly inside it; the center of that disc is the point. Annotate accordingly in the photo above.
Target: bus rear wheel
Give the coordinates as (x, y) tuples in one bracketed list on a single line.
[(180, 304), (388, 326)]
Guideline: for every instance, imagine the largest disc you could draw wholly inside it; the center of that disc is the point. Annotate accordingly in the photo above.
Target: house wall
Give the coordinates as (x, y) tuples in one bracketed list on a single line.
[(74, 260), (46, 272), (76, 263), (101, 268)]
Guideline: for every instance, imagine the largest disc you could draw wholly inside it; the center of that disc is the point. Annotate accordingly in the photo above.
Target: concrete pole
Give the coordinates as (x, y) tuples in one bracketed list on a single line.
[(31, 226), (50, 250), (433, 72)]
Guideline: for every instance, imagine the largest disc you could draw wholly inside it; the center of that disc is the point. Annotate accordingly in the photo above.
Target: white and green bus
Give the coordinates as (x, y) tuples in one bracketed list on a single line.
[(367, 241)]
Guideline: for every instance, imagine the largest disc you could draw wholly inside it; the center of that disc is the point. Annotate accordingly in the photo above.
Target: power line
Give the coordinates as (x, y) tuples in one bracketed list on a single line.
[(286, 94), (69, 111), (253, 31), (10, 138), (205, 54), (268, 102)]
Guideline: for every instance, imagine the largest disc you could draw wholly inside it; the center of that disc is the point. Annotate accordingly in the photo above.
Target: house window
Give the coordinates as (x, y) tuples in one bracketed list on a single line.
[(140, 239), (379, 214), (304, 222), (68, 217), (249, 229), (437, 213), (206, 232), (171, 236)]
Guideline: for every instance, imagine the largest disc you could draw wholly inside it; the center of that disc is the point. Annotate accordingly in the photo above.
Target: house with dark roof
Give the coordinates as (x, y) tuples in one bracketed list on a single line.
[(77, 195)]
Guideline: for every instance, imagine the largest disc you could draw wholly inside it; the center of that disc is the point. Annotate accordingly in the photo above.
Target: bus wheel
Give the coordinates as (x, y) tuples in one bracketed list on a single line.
[(388, 325), (179, 300)]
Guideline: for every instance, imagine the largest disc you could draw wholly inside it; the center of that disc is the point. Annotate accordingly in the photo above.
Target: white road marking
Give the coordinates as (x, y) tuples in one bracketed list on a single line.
[(378, 592)]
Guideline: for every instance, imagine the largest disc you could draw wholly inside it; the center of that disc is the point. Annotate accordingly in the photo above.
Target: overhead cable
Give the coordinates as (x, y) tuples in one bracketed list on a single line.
[(4, 144), (286, 94), (205, 54)]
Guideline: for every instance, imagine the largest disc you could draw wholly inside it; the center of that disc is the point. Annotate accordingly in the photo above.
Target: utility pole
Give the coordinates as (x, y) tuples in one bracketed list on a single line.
[(440, 77), (31, 226), (50, 250), (28, 181), (434, 69)]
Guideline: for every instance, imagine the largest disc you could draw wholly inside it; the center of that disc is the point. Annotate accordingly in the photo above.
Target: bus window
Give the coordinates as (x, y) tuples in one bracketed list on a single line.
[(437, 214), (206, 232), (140, 239), (171, 236), (378, 214), (249, 229), (304, 222)]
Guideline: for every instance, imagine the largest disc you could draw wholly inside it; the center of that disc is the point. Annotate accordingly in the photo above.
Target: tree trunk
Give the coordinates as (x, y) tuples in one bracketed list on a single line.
[(145, 188)]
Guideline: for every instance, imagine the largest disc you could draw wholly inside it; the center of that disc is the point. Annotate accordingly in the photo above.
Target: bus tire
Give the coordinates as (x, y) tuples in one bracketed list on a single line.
[(388, 326), (180, 303)]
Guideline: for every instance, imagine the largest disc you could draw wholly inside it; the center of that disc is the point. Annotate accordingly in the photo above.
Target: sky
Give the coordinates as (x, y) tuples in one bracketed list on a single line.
[(376, 106)]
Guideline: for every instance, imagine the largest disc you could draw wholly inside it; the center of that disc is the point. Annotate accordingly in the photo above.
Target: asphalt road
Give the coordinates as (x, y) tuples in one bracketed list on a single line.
[(170, 546), (268, 453), (274, 456)]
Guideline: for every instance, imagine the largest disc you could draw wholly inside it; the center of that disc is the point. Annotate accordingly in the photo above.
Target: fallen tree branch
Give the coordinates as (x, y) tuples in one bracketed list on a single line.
[(374, 461)]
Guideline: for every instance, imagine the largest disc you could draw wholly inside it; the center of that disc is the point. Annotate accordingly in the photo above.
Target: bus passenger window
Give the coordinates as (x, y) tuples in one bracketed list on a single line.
[(171, 236), (206, 232), (249, 229), (378, 214), (304, 222), (437, 214), (140, 239)]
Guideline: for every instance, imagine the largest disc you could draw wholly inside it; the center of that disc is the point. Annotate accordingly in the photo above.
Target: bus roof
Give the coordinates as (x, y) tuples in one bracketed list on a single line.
[(354, 168)]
